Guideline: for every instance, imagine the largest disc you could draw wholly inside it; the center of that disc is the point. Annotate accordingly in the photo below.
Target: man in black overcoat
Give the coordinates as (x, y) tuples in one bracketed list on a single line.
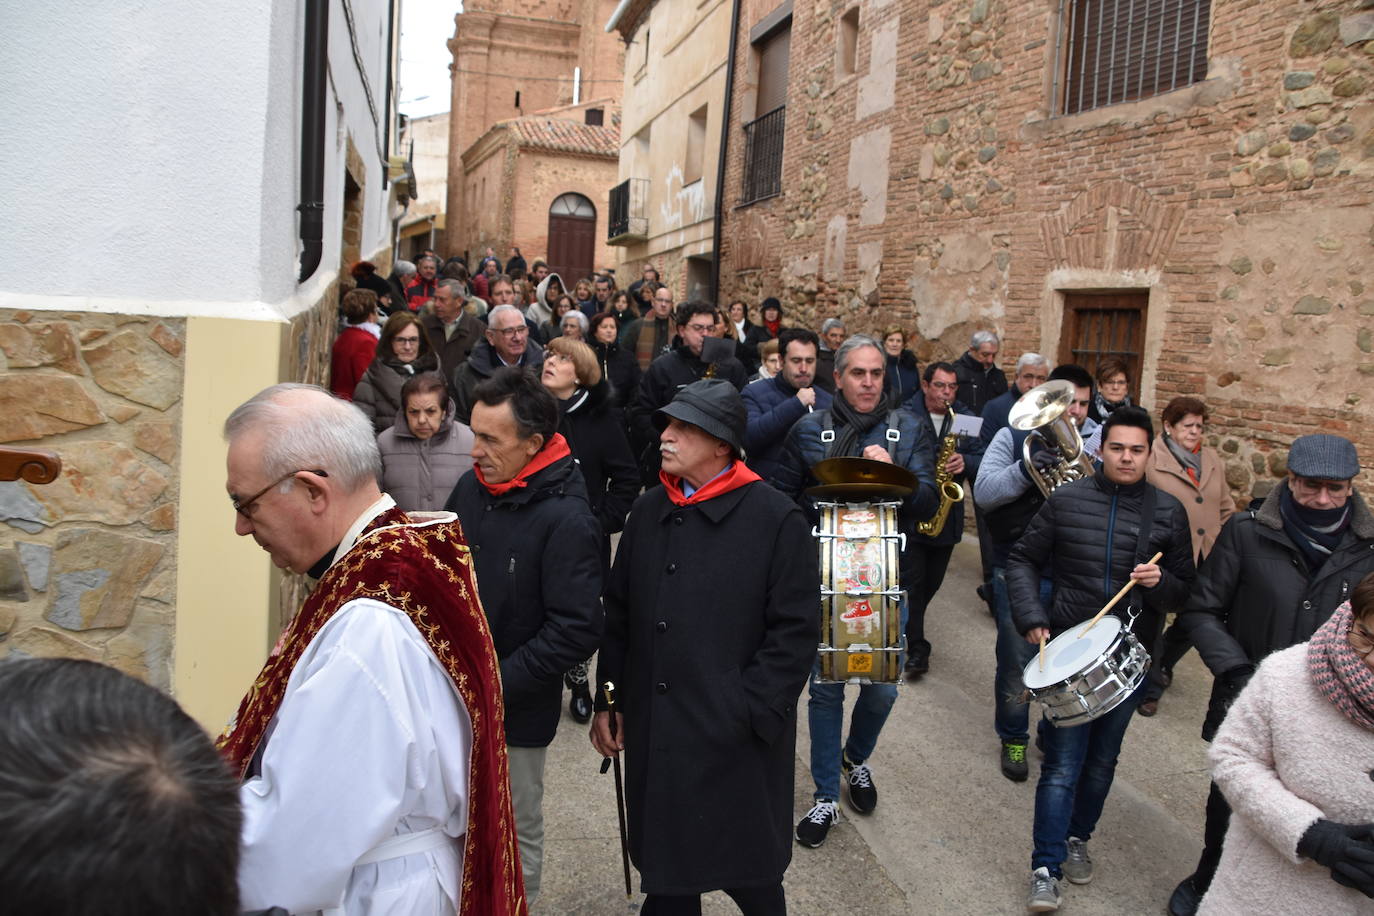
[(712, 621)]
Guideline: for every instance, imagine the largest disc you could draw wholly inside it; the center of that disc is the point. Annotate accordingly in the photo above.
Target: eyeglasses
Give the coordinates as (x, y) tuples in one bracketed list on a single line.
[(511, 333), (407, 341), (943, 386), (1311, 486), (244, 507), (1114, 382), (1360, 639), (701, 328)]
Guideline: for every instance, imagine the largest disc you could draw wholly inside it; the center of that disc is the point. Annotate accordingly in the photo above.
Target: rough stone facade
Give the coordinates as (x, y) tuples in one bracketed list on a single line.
[(88, 562), (936, 188)]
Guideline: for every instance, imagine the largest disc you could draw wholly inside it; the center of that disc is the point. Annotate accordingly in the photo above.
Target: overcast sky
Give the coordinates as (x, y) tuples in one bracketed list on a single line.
[(426, 27)]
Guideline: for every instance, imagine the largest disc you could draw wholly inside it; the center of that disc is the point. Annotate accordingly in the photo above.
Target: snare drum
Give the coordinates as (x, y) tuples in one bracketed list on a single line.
[(1086, 678), (861, 596)]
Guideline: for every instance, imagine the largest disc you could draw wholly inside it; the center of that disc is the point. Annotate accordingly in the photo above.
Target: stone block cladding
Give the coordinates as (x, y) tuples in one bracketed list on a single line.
[(935, 188), (88, 562)]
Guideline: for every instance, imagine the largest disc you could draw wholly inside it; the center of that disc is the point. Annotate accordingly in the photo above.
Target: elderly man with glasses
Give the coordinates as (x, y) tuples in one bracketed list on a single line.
[(419, 813), (507, 343), (1274, 576)]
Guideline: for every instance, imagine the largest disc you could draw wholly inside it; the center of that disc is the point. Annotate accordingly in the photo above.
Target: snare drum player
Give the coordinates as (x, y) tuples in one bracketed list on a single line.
[(707, 667), (1093, 536), (860, 423)]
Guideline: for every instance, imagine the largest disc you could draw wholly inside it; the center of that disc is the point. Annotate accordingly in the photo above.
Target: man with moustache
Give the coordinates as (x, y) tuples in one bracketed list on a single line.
[(707, 668)]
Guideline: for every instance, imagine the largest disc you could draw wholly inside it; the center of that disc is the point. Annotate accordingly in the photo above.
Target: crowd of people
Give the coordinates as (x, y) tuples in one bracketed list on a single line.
[(458, 519)]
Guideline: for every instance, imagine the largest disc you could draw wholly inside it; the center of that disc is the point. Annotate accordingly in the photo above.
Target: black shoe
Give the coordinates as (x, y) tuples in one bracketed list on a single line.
[(1148, 708), (1185, 899), (812, 829), (916, 665), (1014, 761), (581, 703), (863, 795)]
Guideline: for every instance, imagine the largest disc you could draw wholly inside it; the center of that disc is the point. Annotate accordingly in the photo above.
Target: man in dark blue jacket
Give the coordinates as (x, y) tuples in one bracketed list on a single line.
[(774, 404)]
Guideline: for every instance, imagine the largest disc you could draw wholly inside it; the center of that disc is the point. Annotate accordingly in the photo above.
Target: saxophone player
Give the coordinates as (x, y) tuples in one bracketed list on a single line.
[(927, 555)]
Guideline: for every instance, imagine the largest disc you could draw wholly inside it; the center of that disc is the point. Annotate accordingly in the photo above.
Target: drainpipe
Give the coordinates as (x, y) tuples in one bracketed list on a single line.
[(724, 148), (390, 90), (313, 82)]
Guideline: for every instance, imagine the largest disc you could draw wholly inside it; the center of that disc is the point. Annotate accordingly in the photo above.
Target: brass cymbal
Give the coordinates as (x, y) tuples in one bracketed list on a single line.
[(863, 470), (858, 492)]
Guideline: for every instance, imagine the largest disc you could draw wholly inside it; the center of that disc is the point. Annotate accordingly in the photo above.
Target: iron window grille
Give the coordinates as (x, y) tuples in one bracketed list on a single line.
[(763, 156)]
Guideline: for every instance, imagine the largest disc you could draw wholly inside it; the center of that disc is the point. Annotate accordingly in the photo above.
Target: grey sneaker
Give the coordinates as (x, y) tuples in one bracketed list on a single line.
[(1078, 867), (1044, 892)]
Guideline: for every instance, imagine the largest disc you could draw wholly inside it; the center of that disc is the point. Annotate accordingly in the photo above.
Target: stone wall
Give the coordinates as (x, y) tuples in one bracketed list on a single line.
[(88, 562), (934, 188)]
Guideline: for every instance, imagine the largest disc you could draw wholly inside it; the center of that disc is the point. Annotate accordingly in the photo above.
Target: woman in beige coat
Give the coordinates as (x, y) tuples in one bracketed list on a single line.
[(1293, 759), (1180, 465)]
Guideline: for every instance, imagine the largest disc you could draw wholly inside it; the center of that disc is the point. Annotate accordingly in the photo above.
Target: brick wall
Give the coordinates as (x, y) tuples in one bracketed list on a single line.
[(933, 188)]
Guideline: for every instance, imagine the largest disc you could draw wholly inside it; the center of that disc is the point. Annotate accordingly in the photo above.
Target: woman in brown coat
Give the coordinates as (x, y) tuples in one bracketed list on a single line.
[(1180, 465)]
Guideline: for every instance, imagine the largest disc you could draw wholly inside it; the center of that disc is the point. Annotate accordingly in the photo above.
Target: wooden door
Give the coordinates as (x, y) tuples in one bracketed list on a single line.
[(1109, 323), (572, 238)]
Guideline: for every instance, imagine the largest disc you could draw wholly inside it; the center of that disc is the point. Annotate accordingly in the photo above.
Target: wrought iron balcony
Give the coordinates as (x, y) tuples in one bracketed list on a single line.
[(763, 156), (629, 216)]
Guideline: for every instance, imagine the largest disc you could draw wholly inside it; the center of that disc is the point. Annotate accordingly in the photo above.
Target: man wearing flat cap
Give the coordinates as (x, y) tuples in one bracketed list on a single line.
[(712, 620), (1275, 575)]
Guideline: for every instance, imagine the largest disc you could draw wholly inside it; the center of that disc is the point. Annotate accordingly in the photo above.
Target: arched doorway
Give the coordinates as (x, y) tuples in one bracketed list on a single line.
[(572, 237)]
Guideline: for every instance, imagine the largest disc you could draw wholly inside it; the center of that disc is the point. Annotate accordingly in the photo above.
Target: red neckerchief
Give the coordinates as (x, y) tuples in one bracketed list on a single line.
[(1197, 482), (723, 483), (773, 327), (557, 448)]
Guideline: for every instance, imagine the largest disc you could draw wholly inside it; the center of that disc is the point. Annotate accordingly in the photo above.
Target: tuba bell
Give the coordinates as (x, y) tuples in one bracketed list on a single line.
[(1045, 411)]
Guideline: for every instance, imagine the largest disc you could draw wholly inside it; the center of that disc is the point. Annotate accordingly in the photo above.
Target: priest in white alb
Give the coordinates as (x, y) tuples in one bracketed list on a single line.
[(371, 745)]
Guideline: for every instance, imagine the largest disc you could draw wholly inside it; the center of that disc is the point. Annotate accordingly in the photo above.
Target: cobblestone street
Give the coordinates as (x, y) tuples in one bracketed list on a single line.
[(951, 835)]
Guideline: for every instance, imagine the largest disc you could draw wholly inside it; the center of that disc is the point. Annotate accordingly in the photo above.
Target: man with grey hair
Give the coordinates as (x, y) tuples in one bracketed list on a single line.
[(421, 288), (507, 343), (862, 423), (453, 332), (979, 378), (392, 645), (833, 334)]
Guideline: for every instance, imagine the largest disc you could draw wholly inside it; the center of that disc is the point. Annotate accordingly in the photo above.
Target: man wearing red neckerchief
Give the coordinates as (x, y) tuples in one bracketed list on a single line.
[(712, 620), (537, 549)]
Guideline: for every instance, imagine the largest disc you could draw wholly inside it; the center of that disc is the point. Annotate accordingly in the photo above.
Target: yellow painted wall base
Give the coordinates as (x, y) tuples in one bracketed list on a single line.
[(225, 616)]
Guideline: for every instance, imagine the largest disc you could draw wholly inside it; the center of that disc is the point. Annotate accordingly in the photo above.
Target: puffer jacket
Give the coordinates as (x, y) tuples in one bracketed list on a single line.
[(1255, 595), (379, 391), (911, 450), (421, 473), (772, 407), (538, 555), (1085, 536)]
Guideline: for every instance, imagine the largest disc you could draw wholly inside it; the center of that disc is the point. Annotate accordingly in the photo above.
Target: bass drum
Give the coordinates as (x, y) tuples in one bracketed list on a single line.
[(861, 596)]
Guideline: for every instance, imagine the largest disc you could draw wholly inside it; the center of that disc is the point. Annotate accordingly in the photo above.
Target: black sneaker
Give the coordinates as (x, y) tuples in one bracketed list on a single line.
[(811, 830), (1186, 898), (1014, 761), (863, 795)]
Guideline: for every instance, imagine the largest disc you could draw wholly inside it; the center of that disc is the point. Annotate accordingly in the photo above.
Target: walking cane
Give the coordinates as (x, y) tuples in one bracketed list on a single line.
[(614, 760)]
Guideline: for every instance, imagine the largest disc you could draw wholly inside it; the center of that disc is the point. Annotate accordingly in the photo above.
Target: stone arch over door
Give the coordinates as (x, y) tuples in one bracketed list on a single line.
[(572, 237)]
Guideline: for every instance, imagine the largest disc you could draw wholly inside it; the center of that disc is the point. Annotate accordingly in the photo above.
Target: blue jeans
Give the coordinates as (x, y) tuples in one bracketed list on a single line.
[(1075, 778), (825, 714), (1011, 715)]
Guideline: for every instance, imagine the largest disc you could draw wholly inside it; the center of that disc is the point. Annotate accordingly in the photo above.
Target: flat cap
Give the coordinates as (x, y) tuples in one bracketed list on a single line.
[(1324, 457), (711, 404)]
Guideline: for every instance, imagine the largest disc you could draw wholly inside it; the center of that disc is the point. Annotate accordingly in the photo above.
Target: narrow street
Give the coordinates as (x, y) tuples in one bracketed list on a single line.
[(951, 835)]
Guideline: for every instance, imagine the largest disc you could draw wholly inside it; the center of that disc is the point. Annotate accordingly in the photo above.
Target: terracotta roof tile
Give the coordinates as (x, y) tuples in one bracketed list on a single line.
[(569, 136)]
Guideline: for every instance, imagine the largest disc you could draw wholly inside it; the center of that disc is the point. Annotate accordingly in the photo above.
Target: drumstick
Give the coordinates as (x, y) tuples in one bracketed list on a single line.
[(1117, 597), (1042, 651)]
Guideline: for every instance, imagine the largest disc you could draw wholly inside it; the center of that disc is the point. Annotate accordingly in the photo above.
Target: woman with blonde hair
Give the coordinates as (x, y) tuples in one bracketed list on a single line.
[(596, 436)]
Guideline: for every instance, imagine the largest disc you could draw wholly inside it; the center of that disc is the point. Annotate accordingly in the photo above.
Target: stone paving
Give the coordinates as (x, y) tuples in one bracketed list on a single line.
[(951, 835)]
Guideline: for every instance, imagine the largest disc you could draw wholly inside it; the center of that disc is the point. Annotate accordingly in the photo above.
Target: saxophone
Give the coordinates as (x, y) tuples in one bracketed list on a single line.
[(950, 491)]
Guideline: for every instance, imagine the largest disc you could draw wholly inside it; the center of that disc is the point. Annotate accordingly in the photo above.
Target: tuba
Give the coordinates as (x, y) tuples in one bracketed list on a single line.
[(1045, 411)]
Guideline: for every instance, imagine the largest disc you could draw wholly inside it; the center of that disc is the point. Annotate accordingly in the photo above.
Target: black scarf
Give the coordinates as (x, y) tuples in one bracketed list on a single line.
[(853, 425), (1315, 532)]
